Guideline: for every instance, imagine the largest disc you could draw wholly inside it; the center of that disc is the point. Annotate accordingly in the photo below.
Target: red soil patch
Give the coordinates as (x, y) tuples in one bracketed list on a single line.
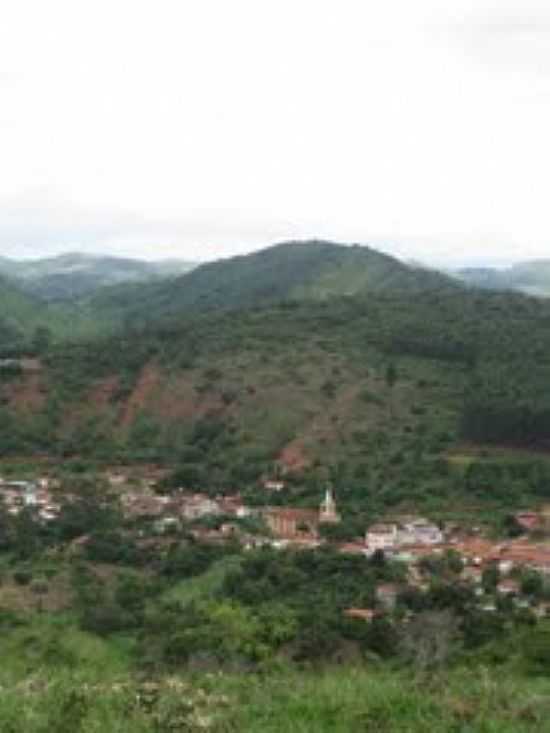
[(147, 383), (321, 430), (293, 457), (180, 400), (175, 399), (102, 392)]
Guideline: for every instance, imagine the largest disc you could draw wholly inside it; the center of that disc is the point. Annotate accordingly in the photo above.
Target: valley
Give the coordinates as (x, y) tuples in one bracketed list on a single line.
[(335, 467)]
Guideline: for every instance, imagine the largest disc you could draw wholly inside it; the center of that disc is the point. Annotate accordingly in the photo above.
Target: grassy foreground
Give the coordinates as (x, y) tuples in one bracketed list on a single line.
[(57, 679), (339, 701)]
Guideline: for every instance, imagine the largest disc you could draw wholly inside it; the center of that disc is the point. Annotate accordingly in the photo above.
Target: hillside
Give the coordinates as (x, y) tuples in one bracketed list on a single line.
[(313, 270), (374, 391), (531, 278), (72, 276)]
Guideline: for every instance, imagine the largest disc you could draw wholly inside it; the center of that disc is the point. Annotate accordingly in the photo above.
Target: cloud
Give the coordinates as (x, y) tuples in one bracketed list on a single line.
[(39, 224), (512, 37), (206, 129)]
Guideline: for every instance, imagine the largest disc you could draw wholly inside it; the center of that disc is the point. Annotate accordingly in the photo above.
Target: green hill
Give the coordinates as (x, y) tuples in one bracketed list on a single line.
[(374, 391), (312, 270)]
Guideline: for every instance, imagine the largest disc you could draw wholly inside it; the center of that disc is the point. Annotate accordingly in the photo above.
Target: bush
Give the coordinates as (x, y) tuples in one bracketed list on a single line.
[(22, 577)]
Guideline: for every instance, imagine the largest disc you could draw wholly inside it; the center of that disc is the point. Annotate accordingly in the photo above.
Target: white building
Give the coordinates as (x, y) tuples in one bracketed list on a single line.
[(381, 536)]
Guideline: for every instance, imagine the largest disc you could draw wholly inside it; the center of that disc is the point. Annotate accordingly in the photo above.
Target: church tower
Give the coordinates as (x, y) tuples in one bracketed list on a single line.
[(327, 511)]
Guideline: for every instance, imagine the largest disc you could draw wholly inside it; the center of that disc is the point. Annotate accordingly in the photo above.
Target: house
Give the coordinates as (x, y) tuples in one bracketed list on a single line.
[(195, 506), (528, 521), (403, 531), (144, 505), (274, 485), (353, 548), (234, 506), (417, 531), (382, 536), (363, 614), (423, 532), (508, 586)]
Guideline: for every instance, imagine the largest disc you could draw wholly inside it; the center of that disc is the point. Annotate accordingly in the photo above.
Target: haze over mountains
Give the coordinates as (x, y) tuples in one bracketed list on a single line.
[(74, 275), (531, 277), (293, 269), (93, 294)]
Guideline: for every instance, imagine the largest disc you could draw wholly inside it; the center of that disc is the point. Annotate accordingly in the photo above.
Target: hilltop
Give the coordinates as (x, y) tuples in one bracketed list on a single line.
[(72, 276), (79, 303), (311, 270)]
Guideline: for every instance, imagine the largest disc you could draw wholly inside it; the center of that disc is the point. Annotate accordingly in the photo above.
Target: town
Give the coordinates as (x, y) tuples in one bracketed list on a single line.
[(410, 540)]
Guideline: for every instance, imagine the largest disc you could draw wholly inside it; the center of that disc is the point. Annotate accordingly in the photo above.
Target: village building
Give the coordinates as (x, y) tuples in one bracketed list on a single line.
[(381, 536), (363, 614), (528, 521), (300, 524), (136, 505), (508, 586), (403, 532), (275, 485), (234, 506), (291, 523), (196, 506)]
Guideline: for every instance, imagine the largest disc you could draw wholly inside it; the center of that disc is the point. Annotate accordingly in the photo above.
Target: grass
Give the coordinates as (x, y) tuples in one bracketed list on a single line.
[(56, 678), (342, 700)]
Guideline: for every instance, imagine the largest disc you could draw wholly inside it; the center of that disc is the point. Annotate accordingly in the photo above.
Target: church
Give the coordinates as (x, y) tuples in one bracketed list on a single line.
[(289, 523)]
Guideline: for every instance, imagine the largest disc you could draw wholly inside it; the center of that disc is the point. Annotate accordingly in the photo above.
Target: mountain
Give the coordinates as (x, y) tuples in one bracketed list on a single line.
[(312, 270), (531, 278), (71, 276)]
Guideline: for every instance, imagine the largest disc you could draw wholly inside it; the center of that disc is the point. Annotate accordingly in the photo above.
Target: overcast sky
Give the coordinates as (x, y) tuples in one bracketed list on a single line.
[(205, 128)]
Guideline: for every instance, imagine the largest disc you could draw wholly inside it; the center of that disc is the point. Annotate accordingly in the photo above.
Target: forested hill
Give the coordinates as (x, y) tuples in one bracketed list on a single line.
[(379, 387), (72, 276), (313, 270)]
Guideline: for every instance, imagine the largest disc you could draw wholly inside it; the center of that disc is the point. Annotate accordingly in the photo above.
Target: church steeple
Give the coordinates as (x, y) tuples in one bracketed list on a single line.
[(327, 511)]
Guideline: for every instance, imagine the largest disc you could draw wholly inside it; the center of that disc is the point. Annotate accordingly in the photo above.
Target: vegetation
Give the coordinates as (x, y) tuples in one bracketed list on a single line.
[(320, 364)]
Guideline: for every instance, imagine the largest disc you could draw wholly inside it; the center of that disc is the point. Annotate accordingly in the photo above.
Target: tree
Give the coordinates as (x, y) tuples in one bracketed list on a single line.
[(391, 376), (41, 340), (391, 379), (490, 577), (428, 640), (532, 584)]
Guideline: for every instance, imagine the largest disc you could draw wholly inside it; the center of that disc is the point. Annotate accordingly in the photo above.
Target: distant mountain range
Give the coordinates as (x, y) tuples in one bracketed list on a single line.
[(531, 278), (79, 295), (71, 276)]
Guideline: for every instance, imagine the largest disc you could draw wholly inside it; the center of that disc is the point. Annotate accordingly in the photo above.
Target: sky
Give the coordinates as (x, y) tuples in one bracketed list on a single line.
[(200, 129)]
